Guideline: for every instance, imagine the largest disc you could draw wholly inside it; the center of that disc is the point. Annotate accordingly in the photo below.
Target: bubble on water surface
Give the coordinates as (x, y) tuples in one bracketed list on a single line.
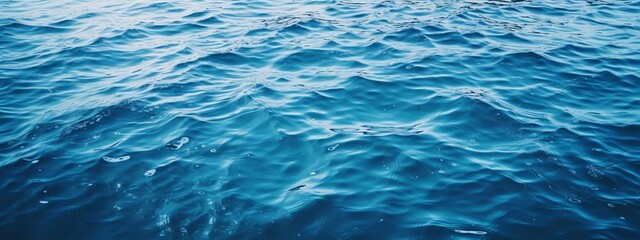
[(177, 143), (332, 148), (150, 173), (116, 159), (594, 172)]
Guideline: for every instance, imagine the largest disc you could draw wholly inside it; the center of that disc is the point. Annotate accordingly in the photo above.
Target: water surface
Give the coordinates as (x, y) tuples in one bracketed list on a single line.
[(332, 119)]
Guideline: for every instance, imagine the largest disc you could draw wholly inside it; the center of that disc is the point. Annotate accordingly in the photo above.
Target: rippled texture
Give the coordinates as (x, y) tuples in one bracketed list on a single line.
[(335, 119)]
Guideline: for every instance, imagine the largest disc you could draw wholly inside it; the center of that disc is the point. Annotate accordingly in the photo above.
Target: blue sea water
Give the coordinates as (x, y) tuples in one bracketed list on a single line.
[(328, 119)]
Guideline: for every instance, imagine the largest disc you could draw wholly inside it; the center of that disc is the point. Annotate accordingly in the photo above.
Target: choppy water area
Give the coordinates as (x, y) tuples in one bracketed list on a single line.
[(344, 119)]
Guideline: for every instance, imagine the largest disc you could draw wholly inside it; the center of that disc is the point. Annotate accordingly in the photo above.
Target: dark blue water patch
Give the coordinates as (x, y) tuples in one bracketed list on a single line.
[(174, 28), (127, 36), (197, 14), (17, 28), (319, 120), (311, 57), (209, 21)]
